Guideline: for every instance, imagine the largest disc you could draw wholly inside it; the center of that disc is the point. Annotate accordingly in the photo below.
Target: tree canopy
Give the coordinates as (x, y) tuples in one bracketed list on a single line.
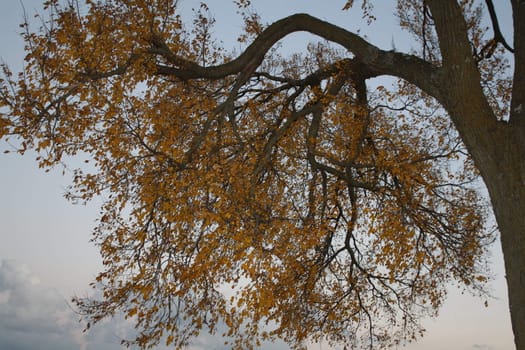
[(288, 197)]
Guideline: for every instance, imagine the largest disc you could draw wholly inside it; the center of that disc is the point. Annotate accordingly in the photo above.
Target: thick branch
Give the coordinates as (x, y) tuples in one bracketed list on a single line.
[(408, 67), (464, 98)]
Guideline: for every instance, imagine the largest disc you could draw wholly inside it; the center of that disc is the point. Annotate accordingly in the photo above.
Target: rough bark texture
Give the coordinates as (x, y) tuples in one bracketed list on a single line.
[(508, 195), (507, 190)]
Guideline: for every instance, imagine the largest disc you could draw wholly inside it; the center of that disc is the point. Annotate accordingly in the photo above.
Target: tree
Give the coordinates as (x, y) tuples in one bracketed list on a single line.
[(334, 208)]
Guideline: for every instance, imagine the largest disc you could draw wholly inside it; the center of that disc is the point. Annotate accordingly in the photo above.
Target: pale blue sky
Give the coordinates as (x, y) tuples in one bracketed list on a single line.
[(44, 240)]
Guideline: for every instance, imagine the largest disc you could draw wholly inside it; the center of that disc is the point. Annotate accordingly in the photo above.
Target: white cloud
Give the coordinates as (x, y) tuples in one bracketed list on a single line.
[(32, 316), (35, 316)]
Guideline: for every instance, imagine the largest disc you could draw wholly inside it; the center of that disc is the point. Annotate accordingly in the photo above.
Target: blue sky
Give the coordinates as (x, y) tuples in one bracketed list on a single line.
[(46, 256)]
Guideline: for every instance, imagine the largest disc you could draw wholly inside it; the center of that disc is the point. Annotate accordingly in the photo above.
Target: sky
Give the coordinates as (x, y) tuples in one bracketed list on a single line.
[(46, 256)]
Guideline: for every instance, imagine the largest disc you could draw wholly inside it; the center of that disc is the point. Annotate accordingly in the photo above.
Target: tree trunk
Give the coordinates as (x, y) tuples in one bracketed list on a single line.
[(510, 214), (506, 185), (509, 206), (499, 154)]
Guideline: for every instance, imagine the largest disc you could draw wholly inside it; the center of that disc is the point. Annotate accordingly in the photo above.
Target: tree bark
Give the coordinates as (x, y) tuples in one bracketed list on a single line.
[(510, 208), (506, 186)]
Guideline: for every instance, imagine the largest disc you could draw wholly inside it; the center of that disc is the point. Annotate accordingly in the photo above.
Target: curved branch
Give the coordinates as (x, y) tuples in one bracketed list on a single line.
[(411, 68)]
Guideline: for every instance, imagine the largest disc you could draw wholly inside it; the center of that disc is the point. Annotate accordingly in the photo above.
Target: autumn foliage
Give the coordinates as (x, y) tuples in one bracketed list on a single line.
[(286, 197)]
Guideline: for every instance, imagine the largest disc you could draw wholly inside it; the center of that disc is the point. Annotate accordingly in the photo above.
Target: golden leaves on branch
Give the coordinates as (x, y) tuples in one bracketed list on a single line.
[(329, 212)]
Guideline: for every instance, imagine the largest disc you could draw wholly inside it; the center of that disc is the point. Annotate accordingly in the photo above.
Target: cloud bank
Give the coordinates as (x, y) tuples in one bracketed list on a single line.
[(34, 316)]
